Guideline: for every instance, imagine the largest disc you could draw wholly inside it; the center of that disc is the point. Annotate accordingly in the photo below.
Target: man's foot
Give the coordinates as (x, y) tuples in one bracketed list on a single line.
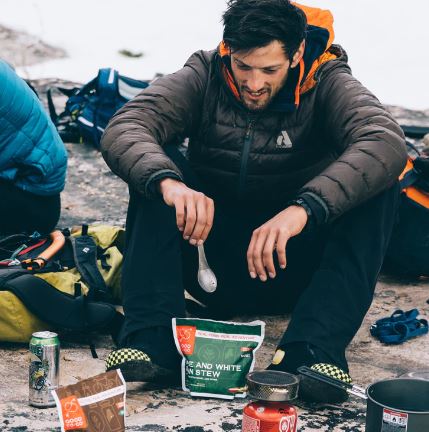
[(294, 355), (136, 365), (311, 390)]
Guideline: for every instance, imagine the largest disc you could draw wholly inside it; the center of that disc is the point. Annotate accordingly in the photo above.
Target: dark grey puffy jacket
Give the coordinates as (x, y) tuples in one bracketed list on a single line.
[(339, 148)]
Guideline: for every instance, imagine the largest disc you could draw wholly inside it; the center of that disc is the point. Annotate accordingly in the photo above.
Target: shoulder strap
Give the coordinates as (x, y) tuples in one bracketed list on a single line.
[(52, 111), (107, 84), (410, 178), (416, 173), (85, 256)]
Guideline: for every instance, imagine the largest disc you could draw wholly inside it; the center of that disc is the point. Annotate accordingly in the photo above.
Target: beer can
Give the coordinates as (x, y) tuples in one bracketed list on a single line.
[(44, 368)]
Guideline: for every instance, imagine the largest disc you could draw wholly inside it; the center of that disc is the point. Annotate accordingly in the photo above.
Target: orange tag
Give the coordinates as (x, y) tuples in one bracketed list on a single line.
[(73, 415), (186, 338)]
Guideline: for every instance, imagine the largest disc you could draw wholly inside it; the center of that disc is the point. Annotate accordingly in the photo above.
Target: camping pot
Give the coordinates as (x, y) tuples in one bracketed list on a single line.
[(393, 405)]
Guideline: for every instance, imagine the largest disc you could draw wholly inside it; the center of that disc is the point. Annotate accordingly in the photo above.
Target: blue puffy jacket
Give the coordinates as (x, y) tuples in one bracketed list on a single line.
[(32, 155)]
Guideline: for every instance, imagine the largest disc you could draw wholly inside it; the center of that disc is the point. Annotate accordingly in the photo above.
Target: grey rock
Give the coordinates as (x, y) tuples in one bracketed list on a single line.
[(22, 49)]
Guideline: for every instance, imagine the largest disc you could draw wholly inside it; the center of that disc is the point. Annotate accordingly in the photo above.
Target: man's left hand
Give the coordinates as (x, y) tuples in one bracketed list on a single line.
[(274, 235)]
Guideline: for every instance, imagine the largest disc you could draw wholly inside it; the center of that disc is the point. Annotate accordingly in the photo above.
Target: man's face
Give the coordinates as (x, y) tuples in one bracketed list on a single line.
[(260, 73)]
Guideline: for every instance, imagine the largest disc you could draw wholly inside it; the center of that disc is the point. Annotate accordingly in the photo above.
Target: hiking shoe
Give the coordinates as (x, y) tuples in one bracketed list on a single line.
[(290, 357), (311, 390), (136, 365)]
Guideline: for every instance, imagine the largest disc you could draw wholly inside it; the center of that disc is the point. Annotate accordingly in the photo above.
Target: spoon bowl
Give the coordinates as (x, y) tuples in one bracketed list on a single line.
[(206, 276)]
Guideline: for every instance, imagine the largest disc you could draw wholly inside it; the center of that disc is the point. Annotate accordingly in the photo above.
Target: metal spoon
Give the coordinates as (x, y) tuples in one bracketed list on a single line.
[(206, 277)]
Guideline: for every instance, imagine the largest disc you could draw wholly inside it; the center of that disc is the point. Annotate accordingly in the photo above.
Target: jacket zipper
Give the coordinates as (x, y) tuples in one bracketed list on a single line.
[(245, 157)]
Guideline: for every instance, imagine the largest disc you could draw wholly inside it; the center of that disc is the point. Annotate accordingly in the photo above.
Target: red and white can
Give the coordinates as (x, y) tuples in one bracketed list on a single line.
[(263, 416)]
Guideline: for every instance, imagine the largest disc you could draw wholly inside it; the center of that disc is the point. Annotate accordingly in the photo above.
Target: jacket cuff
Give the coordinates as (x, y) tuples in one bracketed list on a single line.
[(319, 212), (151, 187)]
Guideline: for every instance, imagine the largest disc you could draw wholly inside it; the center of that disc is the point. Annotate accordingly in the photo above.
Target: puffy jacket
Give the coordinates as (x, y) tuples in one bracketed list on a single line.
[(32, 155), (324, 138)]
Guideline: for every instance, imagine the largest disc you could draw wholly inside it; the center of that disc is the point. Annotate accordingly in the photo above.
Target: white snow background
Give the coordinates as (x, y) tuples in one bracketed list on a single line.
[(387, 40)]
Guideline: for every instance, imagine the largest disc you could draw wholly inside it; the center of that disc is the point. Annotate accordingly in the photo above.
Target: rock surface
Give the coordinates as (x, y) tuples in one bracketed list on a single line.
[(93, 194), (160, 410), (22, 49)]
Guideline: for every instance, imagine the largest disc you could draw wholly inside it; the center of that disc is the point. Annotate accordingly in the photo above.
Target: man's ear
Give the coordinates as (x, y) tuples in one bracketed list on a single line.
[(298, 54)]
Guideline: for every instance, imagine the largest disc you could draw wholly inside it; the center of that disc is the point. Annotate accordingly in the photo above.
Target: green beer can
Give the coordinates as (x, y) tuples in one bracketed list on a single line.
[(44, 368)]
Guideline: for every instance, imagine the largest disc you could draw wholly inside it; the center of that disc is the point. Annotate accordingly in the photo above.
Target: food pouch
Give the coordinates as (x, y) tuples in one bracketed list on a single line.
[(217, 355), (95, 404)]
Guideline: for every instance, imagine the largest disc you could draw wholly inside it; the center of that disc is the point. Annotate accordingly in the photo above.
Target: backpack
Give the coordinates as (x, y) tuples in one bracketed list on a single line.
[(408, 250), (89, 108), (75, 290)]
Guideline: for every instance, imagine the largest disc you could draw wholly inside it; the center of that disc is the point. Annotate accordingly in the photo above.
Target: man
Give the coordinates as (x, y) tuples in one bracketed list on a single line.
[(33, 160), (290, 184)]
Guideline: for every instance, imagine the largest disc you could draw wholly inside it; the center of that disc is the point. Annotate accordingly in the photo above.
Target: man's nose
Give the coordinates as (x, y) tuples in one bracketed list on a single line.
[(255, 81)]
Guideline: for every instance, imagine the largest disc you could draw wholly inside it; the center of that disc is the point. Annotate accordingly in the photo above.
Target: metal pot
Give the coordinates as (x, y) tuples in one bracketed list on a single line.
[(272, 386), (393, 405)]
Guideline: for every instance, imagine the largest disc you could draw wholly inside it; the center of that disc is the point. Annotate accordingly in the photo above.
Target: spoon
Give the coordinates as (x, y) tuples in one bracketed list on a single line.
[(206, 277)]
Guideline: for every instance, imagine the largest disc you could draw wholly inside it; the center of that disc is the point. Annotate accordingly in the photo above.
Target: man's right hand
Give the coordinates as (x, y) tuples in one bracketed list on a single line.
[(194, 210)]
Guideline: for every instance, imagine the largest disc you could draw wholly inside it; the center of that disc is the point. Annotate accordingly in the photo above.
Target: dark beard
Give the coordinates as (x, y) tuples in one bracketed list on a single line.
[(256, 108)]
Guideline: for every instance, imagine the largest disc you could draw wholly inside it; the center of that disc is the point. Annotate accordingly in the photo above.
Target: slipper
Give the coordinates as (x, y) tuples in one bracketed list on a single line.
[(400, 332), (399, 316)]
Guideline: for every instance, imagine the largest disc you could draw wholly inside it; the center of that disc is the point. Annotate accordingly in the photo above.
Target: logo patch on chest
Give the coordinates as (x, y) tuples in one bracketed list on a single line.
[(283, 141)]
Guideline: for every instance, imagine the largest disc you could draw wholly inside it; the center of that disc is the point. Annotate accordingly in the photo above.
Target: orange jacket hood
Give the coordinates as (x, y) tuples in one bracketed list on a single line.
[(319, 38)]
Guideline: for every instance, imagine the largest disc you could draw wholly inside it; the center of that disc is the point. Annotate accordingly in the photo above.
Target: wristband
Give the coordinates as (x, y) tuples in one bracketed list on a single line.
[(301, 203)]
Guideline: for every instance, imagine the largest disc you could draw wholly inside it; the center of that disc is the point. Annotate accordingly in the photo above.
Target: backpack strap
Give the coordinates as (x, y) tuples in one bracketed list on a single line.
[(54, 307), (107, 83), (64, 122), (52, 111), (409, 178), (416, 173), (85, 257)]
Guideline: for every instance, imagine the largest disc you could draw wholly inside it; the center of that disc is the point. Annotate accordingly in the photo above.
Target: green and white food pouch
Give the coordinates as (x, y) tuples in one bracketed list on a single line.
[(217, 355)]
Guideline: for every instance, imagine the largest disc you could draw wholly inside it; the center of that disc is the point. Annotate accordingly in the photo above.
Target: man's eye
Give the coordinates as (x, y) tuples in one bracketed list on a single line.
[(243, 67), (270, 71)]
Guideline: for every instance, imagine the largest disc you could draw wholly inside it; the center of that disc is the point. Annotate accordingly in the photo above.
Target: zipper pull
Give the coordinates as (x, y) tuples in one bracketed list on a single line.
[(249, 128)]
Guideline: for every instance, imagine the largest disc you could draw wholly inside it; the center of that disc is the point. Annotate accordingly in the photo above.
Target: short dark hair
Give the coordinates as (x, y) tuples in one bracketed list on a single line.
[(250, 24)]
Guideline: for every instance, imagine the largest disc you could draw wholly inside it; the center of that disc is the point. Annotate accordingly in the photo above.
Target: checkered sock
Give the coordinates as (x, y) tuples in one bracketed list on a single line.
[(158, 343)]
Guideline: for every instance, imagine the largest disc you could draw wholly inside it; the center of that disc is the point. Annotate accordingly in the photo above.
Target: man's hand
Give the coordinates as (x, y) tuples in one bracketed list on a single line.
[(194, 210), (274, 235)]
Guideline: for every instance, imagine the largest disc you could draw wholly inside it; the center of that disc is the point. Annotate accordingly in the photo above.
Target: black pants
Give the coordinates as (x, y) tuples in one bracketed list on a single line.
[(328, 283), (23, 211)]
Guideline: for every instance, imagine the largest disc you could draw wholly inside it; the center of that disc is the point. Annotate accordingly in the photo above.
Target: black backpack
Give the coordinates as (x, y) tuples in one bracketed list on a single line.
[(408, 251), (22, 274)]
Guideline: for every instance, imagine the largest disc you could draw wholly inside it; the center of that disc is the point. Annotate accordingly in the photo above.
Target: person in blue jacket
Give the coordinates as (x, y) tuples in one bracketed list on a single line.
[(33, 159)]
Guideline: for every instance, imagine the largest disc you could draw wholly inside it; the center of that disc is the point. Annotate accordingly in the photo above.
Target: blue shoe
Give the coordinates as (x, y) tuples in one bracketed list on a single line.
[(399, 316), (399, 327), (402, 331)]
